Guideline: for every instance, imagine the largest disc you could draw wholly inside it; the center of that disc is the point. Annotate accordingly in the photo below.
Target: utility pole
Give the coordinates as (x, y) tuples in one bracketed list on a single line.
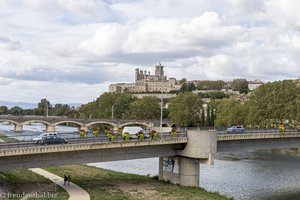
[(112, 112)]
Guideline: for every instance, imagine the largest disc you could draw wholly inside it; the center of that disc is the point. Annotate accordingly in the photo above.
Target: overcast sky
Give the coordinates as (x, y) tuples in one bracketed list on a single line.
[(71, 50)]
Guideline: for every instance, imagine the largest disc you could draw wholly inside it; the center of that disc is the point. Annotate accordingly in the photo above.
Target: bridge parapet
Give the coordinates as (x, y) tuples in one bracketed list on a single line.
[(250, 136)]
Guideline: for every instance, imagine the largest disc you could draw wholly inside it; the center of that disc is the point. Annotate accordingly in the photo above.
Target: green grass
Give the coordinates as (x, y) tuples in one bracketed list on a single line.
[(105, 184), (22, 180), (102, 184), (7, 139)]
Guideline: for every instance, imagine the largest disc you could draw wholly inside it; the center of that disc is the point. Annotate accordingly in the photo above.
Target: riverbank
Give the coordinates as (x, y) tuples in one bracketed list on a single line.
[(103, 184)]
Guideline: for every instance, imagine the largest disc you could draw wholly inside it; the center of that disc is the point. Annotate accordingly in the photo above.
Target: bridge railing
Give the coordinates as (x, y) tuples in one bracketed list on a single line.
[(21, 141)]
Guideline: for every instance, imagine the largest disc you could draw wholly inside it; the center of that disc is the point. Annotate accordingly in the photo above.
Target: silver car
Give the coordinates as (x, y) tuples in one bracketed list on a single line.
[(235, 129)]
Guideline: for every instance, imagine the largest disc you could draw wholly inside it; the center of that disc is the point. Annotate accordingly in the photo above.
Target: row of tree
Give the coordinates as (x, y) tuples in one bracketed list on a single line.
[(269, 105), (240, 85), (44, 107)]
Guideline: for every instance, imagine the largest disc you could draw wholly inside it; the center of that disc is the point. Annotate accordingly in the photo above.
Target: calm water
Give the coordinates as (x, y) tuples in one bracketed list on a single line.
[(277, 178)]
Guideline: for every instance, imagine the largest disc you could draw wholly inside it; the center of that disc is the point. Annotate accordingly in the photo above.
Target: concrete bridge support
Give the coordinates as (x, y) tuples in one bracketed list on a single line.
[(18, 127), (183, 168), (50, 128), (179, 170)]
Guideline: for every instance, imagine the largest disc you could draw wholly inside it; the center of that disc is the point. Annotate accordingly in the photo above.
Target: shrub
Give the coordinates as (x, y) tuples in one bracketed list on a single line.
[(141, 135), (125, 136), (154, 135)]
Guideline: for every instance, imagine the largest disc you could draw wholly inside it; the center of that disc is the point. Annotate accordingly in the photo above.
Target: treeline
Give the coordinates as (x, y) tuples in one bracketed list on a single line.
[(240, 85), (44, 107), (268, 106)]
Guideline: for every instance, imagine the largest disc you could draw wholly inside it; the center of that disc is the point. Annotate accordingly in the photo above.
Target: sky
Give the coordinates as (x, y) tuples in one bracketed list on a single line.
[(70, 51)]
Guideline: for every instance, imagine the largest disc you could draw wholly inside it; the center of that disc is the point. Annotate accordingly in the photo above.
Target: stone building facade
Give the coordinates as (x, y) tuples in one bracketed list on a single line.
[(146, 82)]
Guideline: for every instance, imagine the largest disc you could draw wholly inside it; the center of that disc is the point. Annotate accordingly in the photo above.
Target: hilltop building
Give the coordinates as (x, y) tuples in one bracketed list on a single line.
[(254, 84), (147, 83)]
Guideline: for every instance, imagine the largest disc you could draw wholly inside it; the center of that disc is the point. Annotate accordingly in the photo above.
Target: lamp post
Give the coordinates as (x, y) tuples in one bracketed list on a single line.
[(112, 112), (161, 107)]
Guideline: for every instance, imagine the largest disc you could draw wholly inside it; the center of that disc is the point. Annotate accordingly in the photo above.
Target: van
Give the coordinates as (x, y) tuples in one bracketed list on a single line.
[(38, 138), (132, 130)]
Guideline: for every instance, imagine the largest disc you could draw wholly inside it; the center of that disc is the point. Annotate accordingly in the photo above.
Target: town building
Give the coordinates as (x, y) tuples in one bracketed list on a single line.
[(145, 82), (254, 84)]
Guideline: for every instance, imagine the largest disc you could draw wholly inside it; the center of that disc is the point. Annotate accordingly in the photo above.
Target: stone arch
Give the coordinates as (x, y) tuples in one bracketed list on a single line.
[(69, 121), (165, 125), (139, 123), (101, 122), (8, 120), (36, 121)]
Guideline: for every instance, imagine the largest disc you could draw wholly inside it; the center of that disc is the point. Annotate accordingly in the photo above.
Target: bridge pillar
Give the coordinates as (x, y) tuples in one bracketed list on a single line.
[(18, 127), (183, 168), (179, 170), (50, 128)]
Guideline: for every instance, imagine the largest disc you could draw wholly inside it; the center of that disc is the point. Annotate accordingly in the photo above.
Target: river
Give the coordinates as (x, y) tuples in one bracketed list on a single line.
[(275, 177)]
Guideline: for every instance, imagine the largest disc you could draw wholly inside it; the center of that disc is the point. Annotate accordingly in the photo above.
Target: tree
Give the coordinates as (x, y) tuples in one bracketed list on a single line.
[(211, 85), (240, 85), (3, 110), (145, 108), (43, 107), (187, 87), (277, 101), (185, 109), (16, 110)]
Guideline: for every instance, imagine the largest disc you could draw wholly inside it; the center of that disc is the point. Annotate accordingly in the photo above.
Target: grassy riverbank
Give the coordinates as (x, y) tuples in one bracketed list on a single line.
[(105, 185)]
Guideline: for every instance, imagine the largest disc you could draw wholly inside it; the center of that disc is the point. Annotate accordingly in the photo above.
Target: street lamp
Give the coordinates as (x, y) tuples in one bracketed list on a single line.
[(112, 112), (161, 107)]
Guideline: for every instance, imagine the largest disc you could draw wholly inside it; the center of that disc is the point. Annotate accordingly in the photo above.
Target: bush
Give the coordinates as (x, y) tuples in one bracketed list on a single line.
[(125, 136), (82, 133), (154, 135), (141, 135), (174, 134)]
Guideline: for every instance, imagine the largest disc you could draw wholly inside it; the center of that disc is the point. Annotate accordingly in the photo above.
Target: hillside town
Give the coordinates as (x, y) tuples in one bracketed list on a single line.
[(147, 84)]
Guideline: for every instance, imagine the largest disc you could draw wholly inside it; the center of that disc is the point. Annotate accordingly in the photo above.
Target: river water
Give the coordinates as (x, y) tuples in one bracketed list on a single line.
[(275, 177)]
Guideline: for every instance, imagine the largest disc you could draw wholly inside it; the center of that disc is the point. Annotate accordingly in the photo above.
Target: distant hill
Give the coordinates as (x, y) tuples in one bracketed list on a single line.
[(26, 105)]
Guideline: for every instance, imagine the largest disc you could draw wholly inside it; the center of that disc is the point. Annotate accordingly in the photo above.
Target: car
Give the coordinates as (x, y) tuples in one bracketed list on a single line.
[(51, 140), (34, 140), (133, 131), (235, 129)]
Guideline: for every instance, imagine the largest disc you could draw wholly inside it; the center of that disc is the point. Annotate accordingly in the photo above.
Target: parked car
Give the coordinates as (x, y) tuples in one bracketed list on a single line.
[(51, 140), (235, 129), (53, 134)]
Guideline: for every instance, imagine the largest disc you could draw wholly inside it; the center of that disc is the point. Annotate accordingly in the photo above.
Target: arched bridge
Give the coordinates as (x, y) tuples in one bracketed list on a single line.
[(52, 121)]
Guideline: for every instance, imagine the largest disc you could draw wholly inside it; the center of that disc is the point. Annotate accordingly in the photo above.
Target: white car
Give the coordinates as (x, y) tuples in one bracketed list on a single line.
[(38, 138), (132, 130)]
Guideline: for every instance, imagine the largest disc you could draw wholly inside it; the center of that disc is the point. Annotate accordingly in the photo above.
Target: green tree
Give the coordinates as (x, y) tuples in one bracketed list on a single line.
[(211, 85), (3, 110), (44, 106), (145, 108), (278, 101), (16, 110), (185, 109), (240, 85)]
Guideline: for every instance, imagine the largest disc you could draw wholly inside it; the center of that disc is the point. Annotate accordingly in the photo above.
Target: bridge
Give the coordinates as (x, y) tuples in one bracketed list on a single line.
[(52, 121), (179, 157)]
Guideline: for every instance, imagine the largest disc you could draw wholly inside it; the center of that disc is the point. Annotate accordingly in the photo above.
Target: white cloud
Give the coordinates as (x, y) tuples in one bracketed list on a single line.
[(90, 43)]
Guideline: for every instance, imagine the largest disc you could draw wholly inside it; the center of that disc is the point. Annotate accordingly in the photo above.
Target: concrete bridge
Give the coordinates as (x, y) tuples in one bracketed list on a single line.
[(179, 158), (52, 121)]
